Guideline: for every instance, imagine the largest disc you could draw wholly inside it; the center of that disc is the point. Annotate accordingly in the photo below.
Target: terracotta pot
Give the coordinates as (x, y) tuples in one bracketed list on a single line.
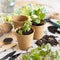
[(39, 31), (24, 41), (19, 20)]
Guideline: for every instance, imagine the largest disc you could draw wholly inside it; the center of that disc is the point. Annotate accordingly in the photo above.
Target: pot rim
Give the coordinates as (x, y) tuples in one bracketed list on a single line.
[(20, 20), (25, 35), (39, 25)]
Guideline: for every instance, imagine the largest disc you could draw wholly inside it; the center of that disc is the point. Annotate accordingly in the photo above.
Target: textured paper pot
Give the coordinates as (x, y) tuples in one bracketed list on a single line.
[(24, 41), (19, 20), (39, 31), (5, 28)]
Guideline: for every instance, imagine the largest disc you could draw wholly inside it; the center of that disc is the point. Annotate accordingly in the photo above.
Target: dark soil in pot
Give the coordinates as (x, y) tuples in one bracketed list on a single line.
[(42, 23), (25, 33)]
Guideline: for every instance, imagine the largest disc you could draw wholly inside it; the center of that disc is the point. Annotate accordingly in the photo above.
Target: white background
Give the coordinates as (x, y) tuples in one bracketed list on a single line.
[(53, 3)]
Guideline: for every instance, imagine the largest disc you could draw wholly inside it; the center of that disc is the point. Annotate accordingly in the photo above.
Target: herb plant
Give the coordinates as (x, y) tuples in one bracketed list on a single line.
[(37, 15), (41, 53), (26, 27)]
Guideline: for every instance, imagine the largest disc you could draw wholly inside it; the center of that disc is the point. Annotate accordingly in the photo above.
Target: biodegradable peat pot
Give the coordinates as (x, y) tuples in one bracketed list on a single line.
[(5, 28), (25, 41), (39, 31), (19, 20)]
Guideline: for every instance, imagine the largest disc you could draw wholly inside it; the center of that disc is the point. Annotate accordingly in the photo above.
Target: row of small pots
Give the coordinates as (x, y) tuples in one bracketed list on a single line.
[(25, 41)]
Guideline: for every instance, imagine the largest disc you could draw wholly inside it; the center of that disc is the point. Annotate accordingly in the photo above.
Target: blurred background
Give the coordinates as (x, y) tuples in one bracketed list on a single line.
[(54, 3)]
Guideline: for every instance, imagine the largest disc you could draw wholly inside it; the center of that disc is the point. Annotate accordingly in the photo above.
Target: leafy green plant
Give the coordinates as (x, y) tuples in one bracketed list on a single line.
[(25, 10), (8, 18), (37, 15), (26, 27), (40, 53)]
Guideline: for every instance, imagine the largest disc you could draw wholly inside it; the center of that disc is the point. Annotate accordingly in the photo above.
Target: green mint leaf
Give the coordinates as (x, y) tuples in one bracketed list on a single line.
[(43, 53), (36, 21), (42, 16), (26, 57), (35, 56), (27, 26)]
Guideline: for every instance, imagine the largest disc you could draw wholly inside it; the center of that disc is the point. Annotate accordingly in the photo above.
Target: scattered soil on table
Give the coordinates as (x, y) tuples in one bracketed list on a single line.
[(53, 29), (47, 39), (7, 40)]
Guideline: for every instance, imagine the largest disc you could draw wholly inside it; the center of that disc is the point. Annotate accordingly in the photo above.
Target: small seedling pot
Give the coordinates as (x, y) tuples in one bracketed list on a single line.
[(25, 41), (5, 28), (39, 31), (19, 20)]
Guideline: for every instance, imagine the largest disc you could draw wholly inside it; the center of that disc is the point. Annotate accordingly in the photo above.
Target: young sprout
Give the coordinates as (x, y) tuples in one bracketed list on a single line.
[(26, 27)]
